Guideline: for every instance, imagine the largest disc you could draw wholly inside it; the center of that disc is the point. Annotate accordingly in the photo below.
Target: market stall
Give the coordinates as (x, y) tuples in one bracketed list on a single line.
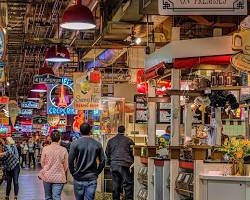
[(205, 108)]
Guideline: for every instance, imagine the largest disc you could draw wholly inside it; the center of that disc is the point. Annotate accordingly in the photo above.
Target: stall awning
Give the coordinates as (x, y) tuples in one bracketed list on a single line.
[(202, 47), (187, 63)]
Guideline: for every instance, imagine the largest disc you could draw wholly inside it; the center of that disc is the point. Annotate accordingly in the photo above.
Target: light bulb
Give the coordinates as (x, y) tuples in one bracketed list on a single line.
[(138, 41)]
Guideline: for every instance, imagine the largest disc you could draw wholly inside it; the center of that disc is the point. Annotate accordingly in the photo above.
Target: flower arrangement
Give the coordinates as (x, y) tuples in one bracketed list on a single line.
[(163, 142), (236, 150)]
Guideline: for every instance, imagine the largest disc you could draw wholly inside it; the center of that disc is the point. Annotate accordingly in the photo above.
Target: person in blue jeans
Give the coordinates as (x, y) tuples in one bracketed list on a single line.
[(83, 166)]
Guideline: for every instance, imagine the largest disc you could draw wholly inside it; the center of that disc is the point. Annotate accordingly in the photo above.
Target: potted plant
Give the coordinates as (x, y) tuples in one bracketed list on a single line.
[(236, 150)]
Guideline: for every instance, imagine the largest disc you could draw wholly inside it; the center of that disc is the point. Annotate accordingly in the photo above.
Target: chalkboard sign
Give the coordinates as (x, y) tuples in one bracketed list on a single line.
[(141, 108), (164, 113)]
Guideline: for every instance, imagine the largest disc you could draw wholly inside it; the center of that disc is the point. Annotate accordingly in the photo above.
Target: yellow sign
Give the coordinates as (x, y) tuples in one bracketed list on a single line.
[(87, 92), (3, 119), (53, 120)]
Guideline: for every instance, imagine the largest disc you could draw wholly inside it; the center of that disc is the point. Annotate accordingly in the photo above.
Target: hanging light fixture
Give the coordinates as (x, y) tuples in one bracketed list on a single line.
[(33, 96), (78, 17), (39, 88), (57, 54)]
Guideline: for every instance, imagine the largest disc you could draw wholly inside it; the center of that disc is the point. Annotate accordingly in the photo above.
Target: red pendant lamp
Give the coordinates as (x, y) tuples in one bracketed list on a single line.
[(57, 54), (32, 96), (39, 88), (78, 17), (46, 70)]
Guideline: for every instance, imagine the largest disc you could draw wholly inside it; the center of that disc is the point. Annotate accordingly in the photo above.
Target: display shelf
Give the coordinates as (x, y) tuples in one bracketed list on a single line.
[(224, 88)]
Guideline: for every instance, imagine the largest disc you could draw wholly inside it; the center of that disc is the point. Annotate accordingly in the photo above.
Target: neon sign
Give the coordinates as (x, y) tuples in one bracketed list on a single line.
[(29, 104), (26, 112), (59, 100), (2, 43)]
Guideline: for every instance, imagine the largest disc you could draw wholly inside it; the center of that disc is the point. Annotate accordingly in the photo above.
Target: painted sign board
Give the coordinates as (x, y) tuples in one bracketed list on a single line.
[(40, 120), (202, 7), (87, 93)]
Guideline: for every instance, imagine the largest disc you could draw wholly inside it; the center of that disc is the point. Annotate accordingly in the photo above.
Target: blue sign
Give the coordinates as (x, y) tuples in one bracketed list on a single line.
[(2, 44), (60, 98), (29, 104), (26, 112)]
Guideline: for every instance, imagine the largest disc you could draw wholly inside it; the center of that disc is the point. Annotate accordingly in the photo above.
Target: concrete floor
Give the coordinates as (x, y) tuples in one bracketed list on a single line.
[(31, 187)]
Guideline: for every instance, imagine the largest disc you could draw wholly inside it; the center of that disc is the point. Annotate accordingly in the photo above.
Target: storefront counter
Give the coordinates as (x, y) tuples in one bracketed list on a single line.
[(225, 187)]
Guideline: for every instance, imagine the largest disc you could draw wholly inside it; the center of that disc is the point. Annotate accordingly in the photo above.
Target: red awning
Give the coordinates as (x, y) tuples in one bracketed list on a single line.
[(187, 63)]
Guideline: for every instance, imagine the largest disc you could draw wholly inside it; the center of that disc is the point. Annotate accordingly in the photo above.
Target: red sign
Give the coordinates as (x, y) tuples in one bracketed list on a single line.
[(4, 100)]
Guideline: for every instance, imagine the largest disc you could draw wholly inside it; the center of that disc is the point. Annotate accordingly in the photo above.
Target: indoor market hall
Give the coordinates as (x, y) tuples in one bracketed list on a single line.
[(124, 100)]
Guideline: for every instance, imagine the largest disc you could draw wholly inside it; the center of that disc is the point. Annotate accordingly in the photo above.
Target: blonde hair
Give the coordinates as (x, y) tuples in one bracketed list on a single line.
[(10, 140)]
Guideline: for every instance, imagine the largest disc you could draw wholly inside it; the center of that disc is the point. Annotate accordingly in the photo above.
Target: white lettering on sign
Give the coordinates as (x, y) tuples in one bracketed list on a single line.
[(202, 7)]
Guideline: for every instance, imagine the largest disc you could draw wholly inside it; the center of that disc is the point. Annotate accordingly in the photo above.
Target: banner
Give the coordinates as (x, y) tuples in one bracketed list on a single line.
[(87, 90), (202, 7)]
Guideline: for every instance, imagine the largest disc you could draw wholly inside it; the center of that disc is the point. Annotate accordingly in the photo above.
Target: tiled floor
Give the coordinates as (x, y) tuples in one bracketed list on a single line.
[(31, 187)]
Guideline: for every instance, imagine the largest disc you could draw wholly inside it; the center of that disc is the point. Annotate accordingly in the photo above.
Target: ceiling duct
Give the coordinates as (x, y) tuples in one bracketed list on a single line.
[(128, 12), (149, 7)]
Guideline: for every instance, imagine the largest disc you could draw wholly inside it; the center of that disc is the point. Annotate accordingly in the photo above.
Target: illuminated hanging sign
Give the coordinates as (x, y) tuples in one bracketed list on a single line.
[(202, 7), (4, 129), (26, 128), (26, 111), (60, 98), (51, 79), (29, 104), (2, 44), (87, 90), (40, 120), (2, 72), (3, 119), (53, 120), (4, 100)]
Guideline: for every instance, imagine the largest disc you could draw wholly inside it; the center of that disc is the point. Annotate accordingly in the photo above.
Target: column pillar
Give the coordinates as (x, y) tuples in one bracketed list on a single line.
[(151, 137), (175, 130), (188, 116)]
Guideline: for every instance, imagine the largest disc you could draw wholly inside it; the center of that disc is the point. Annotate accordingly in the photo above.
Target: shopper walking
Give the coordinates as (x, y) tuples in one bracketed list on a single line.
[(83, 156), (11, 164), (54, 162), (120, 158), (31, 147), (24, 151)]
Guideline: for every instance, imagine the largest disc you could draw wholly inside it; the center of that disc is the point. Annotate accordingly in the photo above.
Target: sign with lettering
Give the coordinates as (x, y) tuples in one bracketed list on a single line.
[(40, 120), (2, 72), (2, 44), (60, 98), (202, 7), (87, 92), (47, 79), (26, 111), (4, 120), (53, 120), (29, 104)]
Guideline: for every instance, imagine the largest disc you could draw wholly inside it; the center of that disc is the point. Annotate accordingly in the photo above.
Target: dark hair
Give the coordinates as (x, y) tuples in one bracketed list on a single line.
[(168, 129), (121, 129), (55, 136), (85, 129)]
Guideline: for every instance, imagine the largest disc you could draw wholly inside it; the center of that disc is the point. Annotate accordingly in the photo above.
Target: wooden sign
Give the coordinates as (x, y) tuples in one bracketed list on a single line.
[(202, 7)]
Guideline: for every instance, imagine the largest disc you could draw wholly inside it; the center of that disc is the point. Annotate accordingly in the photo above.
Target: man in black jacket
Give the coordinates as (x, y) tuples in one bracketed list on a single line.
[(83, 156), (120, 158)]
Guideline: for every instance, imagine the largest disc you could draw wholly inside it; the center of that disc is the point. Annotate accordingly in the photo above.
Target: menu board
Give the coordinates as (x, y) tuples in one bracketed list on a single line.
[(141, 109), (164, 113)]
